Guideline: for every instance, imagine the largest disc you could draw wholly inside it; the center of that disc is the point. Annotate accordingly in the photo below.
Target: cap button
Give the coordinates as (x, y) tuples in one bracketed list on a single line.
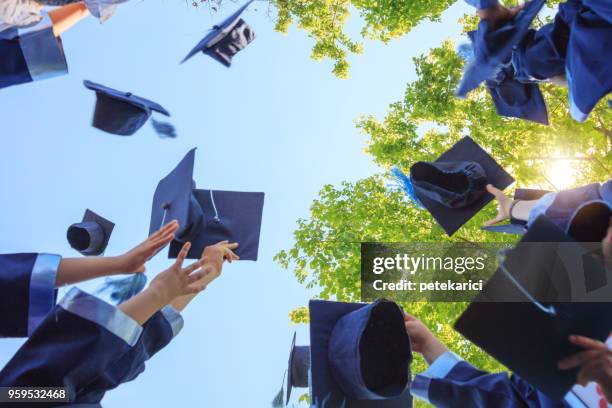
[(128, 94), (217, 219)]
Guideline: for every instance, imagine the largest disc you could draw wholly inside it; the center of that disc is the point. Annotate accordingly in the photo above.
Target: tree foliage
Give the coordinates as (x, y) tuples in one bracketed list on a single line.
[(425, 123), (325, 21)]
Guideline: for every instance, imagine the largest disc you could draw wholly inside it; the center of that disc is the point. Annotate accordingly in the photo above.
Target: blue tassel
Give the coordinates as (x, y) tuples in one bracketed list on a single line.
[(405, 184), (163, 129), (123, 289)]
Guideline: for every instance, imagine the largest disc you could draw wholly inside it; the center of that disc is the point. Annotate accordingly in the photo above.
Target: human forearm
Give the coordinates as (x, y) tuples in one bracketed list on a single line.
[(144, 305), (434, 349), (65, 17), (74, 270), (521, 209)]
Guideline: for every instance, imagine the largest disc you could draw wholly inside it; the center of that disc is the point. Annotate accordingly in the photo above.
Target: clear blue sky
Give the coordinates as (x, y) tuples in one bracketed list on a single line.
[(276, 122)]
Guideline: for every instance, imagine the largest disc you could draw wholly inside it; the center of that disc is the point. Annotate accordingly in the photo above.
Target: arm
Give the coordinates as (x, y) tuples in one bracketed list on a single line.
[(212, 261), (74, 270), (65, 17), (505, 208), (170, 284)]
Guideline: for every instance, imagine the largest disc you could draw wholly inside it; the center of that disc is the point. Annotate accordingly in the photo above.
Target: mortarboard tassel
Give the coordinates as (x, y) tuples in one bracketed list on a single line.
[(406, 185), (123, 289), (466, 51), (163, 129), (277, 402)]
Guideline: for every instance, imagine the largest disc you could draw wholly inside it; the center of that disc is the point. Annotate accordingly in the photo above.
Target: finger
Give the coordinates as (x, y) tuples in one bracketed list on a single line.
[(578, 359), (588, 343), (192, 267), (495, 220), (233, 245), (162, 242), (408, 317), (183, 254), (196, 276), (225, 241), (230, 255), (495, 191), (172, 226)]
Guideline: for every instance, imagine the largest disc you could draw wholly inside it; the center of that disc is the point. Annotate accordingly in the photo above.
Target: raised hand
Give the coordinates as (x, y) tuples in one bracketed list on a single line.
[(594, 364), (134, 260), (503, 205), (177, 281), (499, 14)]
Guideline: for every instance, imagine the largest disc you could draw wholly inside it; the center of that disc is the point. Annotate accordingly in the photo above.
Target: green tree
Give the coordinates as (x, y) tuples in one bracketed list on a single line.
[(425, 123), (325, 21)]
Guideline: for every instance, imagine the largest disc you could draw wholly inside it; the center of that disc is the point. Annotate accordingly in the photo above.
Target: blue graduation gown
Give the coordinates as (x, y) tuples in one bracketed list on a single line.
[(72, 346), (157, 332), (31, 54), (452, 382), (578, 44), (27, 291)]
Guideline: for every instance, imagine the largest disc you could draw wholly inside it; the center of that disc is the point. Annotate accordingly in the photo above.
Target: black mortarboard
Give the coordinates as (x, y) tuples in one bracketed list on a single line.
[(225, 40), (298, 367), (360, 355), (452, 188), (512, 319), (206, 216), (90, 236), (121, 113), (590, 222), (493, 46), (515, 226)]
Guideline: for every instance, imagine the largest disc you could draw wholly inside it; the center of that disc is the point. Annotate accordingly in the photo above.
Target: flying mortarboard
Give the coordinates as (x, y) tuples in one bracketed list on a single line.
[(360, 355), (452, 188), (121, 113), (515, 226), (90, 236), (493, 46), (516, 99), (206, 217), (225, 40), (298, 367), (513, 319)]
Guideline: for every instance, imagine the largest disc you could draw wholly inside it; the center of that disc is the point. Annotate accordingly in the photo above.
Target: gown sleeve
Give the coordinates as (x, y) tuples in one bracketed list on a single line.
[(157, 333), (27, 283), (72, 346), (31, 54), (482, 4), (452, 382)]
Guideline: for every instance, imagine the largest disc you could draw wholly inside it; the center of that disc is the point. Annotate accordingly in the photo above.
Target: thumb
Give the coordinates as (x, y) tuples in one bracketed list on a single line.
[(499, 195), (495, 220)]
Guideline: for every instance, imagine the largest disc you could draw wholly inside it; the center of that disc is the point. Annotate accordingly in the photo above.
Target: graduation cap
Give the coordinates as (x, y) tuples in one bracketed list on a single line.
[(512, 319), (493, 46), (225, 40), (121, 113), (360, 355), (90, 236), (452, 188), (516, 226), (516, 99), (206, 217), (298, 367)]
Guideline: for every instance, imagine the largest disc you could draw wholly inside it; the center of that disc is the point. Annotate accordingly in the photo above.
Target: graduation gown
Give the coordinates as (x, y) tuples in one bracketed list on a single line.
[(561, 207), (31, 54), (157, 333), (76, 342), (452, 382), (27, 287), (577, 44)]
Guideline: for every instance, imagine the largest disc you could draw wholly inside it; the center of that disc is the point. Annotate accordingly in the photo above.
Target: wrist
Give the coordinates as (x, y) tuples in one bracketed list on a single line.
[(433, 349), (158, 294)]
